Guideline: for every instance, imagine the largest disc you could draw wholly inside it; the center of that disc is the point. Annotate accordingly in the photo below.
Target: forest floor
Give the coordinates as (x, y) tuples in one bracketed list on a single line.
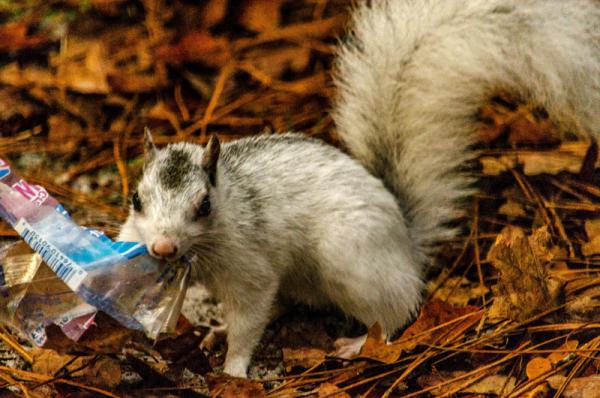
[(512, 311)]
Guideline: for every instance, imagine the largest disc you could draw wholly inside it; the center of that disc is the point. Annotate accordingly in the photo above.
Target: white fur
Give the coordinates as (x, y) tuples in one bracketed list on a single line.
[(415, 73), (297, 220), (292, 218)]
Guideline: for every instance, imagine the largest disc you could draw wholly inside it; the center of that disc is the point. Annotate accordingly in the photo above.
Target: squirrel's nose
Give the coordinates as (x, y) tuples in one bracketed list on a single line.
[(164, 247)]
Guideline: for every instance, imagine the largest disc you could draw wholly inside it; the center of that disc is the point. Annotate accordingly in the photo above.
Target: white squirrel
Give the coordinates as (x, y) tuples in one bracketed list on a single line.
[(282, 217)]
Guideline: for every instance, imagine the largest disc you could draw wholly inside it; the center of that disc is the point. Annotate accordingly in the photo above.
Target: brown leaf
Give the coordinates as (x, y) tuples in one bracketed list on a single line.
[(124, 82), (105, 336), (331, 390), (196, 46), (512, 208), (579, 387), (559, 356), (539, 391), (224, 386), (584, 307), (49, 362), (523, 123), (104, 371), (537, 367), (13, 37), (213, 12), (377, 348), (64, 129), (302, 357), (275, 62), (433, 314), (524, 286), (13, 105), (592, 229), (455, 290), (24, 77), (494, 384), (261, 15), (83, 67), (567, 157)]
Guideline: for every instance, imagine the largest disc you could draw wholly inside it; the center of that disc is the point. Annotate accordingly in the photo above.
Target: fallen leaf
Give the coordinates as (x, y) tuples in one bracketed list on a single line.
[(302, 357), (105, 336), (567, 157), (173, 348), (103, 371), (539, 391), (25, 77), (261, 15), (83, 67), (49, 362), (375, 347), (584, 307), (592, 229), (14, 36), (494, 384), (537, 366), (196, 46), (213, 12), (224, 386), (13, 105), (133, 83), (512, 208), (559, 356), (331, 390), (455, 290), (433, 314), (357, 369), (274, 62), (524, 286), (63, 129), (591, 248), (579, 387)]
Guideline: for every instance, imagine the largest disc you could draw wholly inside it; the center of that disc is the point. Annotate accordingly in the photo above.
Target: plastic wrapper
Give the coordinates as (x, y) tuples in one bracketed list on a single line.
[(78, 271)]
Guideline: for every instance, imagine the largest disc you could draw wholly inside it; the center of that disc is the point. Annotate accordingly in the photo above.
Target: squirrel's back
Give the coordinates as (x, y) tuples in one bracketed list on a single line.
[(414, 74)]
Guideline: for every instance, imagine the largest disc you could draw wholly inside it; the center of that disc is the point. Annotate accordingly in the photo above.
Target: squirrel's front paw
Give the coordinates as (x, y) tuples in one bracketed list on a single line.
[(236, 367)]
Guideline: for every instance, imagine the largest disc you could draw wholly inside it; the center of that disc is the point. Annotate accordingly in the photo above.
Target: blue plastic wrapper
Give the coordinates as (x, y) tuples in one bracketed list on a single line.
[(118, 278)]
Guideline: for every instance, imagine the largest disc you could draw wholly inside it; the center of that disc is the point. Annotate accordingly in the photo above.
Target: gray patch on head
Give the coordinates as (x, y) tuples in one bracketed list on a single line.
[(177, 166)]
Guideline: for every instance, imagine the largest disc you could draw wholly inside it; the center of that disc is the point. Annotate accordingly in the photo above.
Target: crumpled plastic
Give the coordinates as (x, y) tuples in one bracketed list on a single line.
[(76, 271)]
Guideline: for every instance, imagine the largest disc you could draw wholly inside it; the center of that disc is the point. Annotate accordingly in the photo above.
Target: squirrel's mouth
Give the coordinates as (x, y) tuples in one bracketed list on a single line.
[(170, 258)]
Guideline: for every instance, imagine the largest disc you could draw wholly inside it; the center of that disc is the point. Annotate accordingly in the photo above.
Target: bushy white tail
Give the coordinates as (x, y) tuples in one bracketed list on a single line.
[(414, 74)]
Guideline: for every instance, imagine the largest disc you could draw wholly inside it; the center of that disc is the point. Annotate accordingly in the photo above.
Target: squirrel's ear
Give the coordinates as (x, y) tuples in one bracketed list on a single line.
[(210, 157), (149, 147)]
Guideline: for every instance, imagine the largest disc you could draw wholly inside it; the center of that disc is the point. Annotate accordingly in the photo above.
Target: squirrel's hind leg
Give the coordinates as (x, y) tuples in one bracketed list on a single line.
[(369, 274)]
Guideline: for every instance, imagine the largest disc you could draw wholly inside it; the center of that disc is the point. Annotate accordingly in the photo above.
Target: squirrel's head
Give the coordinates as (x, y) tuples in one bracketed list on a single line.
[(173, 205)]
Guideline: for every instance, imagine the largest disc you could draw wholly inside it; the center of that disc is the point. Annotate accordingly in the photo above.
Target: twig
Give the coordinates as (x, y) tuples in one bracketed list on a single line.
[(224, 75), (12, 343)]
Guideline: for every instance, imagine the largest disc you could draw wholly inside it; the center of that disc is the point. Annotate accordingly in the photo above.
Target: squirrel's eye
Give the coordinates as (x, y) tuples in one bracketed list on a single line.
[(136, 201), (204, 208)]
